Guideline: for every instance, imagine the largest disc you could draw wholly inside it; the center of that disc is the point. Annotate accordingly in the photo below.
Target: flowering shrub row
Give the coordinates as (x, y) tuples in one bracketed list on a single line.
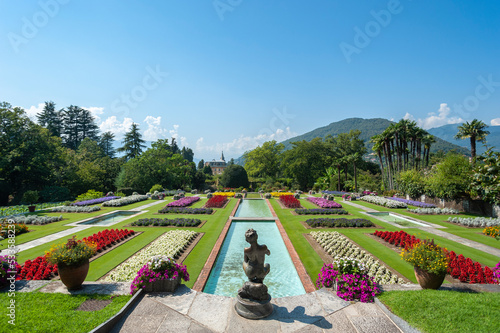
[(398, 238), (183, 202), (34, 219), (289, 201), (108, 238), (492, 231), (38, 269), (125, 201), (95, 201), (324, 203), (340, 222), (169, 244), (76, 209), (317, 211), (467, 270), (383, 201), (477, 222), (413, 202), (340, 247), (216, 201), (19, 228), (179, 222), (183, 210), (433, 211)]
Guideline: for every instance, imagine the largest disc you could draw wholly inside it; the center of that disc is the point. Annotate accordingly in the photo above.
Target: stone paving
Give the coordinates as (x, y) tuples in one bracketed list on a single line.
[(187, 310)]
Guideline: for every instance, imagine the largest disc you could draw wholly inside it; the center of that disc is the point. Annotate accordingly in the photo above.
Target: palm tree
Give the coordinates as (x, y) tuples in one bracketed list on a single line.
[(427, 140), (475, 130)]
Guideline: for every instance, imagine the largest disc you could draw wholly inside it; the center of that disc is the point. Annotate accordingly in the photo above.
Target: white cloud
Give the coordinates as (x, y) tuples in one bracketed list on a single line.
[(243, 143), (34, 110), (119, 128), (435, 120), (495, 122), (155, 131), (96, 112)]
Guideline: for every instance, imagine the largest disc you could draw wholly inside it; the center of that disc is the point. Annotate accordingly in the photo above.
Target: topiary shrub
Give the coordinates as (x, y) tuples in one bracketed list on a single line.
[(156, 188)]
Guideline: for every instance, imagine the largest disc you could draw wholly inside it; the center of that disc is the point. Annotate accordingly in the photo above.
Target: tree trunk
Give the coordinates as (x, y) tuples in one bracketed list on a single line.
[(355, 178), (473, 147)]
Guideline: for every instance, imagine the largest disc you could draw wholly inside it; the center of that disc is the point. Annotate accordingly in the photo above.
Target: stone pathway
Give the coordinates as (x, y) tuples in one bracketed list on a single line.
[(441, 233), (187, 310)]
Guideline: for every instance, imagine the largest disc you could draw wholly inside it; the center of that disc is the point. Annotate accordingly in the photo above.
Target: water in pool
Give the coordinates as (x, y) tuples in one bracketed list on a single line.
[(227, 274), (253, 208)]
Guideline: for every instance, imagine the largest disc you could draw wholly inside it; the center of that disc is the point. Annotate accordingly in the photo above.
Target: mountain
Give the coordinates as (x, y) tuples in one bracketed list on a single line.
[(448, 132), (368, 128)]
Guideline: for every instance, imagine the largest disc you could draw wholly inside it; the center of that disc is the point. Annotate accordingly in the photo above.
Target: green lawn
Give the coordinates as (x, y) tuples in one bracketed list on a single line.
[(445, 311)]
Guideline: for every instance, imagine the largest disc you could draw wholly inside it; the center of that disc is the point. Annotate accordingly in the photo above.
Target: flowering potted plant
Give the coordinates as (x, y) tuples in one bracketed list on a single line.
[(72, 261), (430, 262), (161, 273), (31, 197)]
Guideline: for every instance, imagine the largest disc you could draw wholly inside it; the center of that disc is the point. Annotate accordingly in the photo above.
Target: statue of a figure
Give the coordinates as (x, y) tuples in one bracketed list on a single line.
[(254, 256)]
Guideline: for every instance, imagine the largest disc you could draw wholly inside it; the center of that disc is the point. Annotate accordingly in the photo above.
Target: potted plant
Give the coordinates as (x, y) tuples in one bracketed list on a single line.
[(430, 262), (72, 259), (161, 273), (31, 197)]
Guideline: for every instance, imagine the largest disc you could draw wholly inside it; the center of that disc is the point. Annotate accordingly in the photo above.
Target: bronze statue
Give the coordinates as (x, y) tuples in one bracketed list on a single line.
[(254, 256)]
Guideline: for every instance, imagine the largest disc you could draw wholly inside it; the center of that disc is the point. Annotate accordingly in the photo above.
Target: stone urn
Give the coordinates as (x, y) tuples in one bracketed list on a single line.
[(428, 280), (164, 285), (73, 276)]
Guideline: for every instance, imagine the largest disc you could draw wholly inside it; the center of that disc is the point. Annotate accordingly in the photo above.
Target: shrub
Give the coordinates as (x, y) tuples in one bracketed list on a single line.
[(340, 222), (34, 219), (433, 211), (76, 209), (492, 231), (19, 228), (125, 201), (156, 222), (89, 195), (427, 256), (477, 222), (156, 187), (320, 211), (185, 210), (71, 253)]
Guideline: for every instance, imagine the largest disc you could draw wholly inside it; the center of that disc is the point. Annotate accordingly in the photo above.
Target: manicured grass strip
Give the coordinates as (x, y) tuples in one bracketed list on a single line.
[(253, 195), (445, 311), (44, 312)]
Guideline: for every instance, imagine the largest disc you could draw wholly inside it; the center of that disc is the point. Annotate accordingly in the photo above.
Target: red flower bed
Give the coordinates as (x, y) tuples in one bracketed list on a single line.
[(289, 201), (459, 267), (467, 270), (217, 201), (108, 237), (38, 269)]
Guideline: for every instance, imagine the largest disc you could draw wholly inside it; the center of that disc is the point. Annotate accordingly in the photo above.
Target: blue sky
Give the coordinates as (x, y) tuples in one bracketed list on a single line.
[(232, 74)]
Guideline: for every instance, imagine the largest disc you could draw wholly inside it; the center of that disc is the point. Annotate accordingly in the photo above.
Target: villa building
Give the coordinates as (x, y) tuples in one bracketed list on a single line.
[(217, 167)]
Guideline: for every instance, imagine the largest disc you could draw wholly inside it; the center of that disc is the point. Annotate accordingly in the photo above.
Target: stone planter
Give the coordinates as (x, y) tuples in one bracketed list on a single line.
[(428, 280), (73, 276), (166, 285)]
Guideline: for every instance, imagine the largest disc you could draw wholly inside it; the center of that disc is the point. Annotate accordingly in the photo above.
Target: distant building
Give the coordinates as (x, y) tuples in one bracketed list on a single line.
[(219, 166)]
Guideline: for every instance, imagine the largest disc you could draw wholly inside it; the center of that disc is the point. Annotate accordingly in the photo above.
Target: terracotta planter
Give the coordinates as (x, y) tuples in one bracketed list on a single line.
[(168, 285), (428, 280), (73, 276), (31, 208)]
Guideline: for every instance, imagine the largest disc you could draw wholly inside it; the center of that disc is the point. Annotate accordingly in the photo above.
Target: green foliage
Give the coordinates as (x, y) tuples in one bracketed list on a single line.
[(54, 194), (412, 183), (234, 176), (89, 195), (475, 131), (156, 187), (449, 179), (486, 177), (264, 161), (132, 143), (305, 162), (30, 197)]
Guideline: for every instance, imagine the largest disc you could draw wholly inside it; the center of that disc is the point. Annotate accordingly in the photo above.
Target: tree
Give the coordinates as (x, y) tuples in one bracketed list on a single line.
[(187, 154), (132, 143), (201, 164), (106, 144), (235, 176), (50, 119), (475, 131), (207, 170), (264, 161), (486, 177), (450, 179), (78, 124)]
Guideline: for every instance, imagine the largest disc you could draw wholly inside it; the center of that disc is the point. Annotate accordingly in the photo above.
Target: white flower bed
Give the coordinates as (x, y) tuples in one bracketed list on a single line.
[(76, 209), (34, 219), (125, 201), (478, 222), (433, 211), (339, 246), (384, 202), (169, 244)]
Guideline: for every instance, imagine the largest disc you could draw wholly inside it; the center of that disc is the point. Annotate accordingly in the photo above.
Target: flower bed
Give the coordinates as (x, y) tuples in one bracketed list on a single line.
[(383, 202), (125, 201), (94, 201), (76, 209), (8, 264), (183, 210), (34, 219), (289, 201), (433, 211), (183, 202), (179, 222), (324, 203), (492, 231), (216, 201), (335, 193), (169, 244), (398, 238), (19, 228), (412, 202), (318, 211), (280, 194), (37, 269), (21, 209), (340, 247), (475, 222), (339, 223), (107, 238), (225, 194)]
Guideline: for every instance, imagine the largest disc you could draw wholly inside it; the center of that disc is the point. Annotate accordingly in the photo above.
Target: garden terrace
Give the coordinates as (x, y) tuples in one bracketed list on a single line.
[(339, 223), (183, 202), (320, 211), (178, 222), (185, 210)]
